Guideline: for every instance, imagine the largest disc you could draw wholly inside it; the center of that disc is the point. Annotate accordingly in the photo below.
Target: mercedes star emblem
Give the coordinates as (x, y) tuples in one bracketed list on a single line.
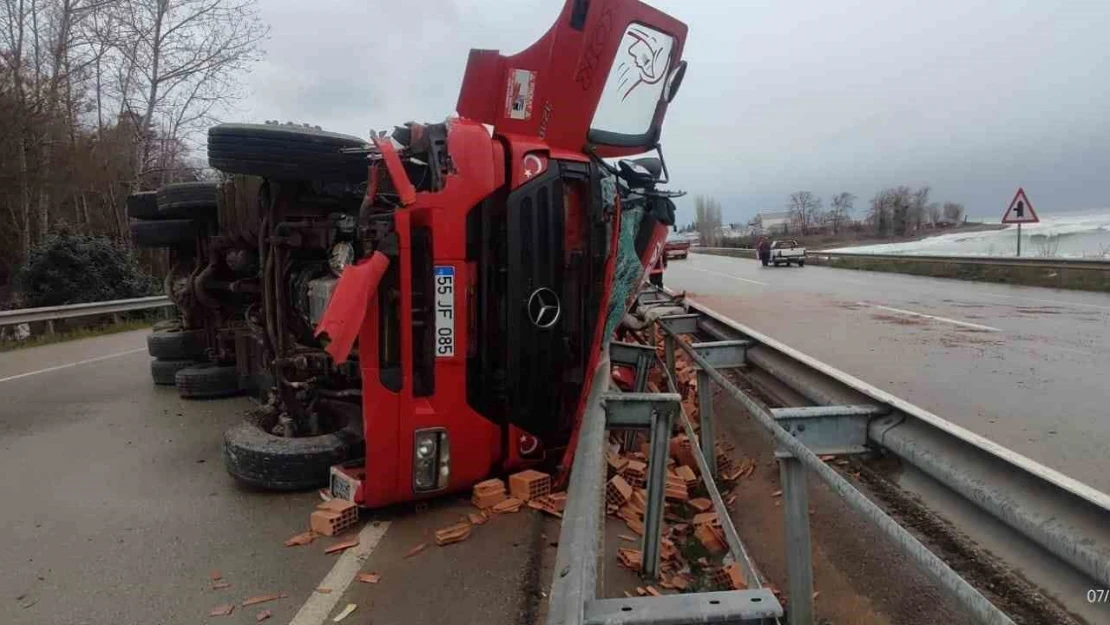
[(543, 308)]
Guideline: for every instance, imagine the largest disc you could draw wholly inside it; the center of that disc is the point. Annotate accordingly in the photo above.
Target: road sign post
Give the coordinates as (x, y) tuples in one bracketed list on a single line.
[(1020, 212)]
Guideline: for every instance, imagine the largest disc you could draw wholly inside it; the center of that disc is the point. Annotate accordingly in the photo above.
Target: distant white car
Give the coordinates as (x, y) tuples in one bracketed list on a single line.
[(787, 251)]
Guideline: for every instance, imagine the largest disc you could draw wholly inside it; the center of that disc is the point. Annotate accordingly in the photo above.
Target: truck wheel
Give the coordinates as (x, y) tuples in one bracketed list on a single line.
[(165, 233), (143, 205), (176, 344), (259, 459), (187, 199), (207, 381), (285, 152), (801, 263), (164, 372)]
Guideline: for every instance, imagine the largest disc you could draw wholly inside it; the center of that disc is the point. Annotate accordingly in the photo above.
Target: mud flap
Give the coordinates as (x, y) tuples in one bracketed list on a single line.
[(357, 288)]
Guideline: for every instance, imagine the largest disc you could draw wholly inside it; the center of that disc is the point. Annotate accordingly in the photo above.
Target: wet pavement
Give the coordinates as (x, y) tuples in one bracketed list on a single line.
[(1023, 366)]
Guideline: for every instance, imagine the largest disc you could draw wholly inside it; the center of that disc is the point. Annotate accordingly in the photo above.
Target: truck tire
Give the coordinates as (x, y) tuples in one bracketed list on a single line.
[(801, 263), (259, 459), (176, 344), (187, 199), (143, 205), (285, 152), (165, 233), (207, 381), (164, 372)]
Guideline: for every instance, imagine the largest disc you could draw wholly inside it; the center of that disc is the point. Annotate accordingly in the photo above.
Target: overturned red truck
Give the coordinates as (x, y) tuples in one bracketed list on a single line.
[(420, 310)]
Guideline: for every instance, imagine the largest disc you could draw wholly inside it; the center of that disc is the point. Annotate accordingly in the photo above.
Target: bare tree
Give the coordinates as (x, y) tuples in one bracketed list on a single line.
[(840, 210), (178, 65), (707, 211), (918, 209), (933, 212), (804, 208), (953, 212)]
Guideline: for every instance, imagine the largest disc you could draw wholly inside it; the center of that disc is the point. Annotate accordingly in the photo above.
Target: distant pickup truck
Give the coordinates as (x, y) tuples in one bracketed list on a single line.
[(676, 249), (786, 252)]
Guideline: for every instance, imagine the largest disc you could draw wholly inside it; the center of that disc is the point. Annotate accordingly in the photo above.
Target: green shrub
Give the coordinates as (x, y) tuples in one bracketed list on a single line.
[(67, 268)]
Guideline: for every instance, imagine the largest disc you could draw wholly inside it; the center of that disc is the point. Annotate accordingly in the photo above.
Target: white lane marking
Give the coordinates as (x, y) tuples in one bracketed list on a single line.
[(72, 364), (725, 275), (900, 311), (319, 605)]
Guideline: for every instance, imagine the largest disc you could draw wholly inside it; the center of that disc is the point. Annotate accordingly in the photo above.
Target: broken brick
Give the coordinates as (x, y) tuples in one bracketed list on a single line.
[(487, 500), (343, 546), (777, 493), (369, 578), (635, 473), (222, 610), (630, 558), (617, 491), (262, 616), (220, 585), (653, 591), (616, 462), (709, 539), (304, 538), (215, 575), (705, 518), (453, 534), (249, 601), (730, 576), (477, 518), (416, 550), (528, 485), (509, 505), (688, 476), (635, 525), (701, 504)]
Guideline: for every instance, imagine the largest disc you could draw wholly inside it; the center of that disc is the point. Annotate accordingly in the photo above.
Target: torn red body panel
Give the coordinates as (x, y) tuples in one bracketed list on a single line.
[(355, 291)]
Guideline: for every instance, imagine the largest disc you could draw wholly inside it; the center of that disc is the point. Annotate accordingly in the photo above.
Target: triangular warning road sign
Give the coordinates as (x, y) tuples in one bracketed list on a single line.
[(1020, 211)]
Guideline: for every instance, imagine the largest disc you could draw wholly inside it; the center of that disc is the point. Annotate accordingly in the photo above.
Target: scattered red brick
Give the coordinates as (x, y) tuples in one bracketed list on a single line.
[(334, 516), (641, 591), (635, 473), (222, 610), (617, 491), (688, 476), (453, 534), (249, 601), (631, 539), (706, 518), (528, 485), (777, 493), (730, 576), (488, 493), (323, 590), (616, 462), (416, 550), (512, 504), (477, 518), (653, 591), (343, 546), (369, 578), (220, 585), (635, 525), (709, 539), (304, 538), (701, 504), (215, 575), (262, 616), (630, 558)]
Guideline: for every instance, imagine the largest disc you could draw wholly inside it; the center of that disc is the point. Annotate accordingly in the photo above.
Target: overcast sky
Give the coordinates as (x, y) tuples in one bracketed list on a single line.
[(973, 97)]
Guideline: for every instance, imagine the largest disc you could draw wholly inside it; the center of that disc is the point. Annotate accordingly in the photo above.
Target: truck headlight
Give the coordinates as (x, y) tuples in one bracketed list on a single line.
[(431, 462)]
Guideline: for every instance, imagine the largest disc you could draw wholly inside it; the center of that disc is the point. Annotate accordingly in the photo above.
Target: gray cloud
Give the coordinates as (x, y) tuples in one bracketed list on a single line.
[(974, 97)]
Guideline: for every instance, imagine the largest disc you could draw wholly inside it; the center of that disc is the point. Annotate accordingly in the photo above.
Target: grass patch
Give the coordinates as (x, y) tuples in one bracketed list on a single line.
[(76, 333)]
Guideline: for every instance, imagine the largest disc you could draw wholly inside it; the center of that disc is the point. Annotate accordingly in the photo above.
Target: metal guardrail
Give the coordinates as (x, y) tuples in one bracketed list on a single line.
[(1093, 264), (849, 416), (51, 313)]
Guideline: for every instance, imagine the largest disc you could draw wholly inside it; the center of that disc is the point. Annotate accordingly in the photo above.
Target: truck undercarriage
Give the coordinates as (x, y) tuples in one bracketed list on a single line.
[(422, 309)]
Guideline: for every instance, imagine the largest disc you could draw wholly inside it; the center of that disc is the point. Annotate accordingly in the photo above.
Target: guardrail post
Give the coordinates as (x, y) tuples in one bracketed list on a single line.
[(799, 554), (661, 422), (50, 327), (707, 437)]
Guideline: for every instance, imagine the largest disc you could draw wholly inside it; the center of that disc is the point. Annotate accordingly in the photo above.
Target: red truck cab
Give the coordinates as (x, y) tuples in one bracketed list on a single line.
[(483, 316)]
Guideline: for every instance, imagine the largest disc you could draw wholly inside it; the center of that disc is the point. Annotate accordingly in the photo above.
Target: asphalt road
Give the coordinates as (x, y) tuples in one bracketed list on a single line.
[(1023, 366), (117, 510)]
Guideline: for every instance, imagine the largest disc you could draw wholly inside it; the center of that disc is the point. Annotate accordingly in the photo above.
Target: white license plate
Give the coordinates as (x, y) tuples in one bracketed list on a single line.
[(445, 312)]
